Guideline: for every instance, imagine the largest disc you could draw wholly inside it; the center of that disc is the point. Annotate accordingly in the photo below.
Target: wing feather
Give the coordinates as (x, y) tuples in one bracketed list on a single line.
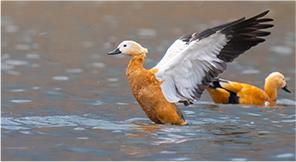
[(194, 60)]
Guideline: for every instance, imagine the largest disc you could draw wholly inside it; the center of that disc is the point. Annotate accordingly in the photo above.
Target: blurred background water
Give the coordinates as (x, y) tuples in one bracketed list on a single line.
[(63, 98)]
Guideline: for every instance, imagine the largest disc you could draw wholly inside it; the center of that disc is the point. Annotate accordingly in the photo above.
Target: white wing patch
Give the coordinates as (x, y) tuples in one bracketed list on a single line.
[(171, 52), (185, 70)]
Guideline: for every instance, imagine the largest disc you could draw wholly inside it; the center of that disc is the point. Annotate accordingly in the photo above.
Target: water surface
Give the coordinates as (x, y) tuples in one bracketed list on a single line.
[(63, 98)]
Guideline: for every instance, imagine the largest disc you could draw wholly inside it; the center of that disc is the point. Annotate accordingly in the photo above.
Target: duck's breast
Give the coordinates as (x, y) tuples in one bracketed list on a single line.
[(147, 91)]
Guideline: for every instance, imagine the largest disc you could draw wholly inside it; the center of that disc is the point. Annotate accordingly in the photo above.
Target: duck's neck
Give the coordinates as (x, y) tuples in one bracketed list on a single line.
[(271, 90), (136, 63)]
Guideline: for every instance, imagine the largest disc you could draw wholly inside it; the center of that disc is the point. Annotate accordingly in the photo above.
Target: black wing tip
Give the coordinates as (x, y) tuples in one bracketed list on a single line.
[(194, 36), (262, 33), (263, 13), (259, 15), (265, 20), (245, 35)]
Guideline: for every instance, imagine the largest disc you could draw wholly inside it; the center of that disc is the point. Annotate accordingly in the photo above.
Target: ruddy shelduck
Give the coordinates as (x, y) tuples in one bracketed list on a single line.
[(189, 65), (225, 91)]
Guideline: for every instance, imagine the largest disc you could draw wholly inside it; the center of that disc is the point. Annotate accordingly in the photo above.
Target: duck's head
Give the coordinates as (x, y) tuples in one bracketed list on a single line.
[(279, 80), (130, 48)]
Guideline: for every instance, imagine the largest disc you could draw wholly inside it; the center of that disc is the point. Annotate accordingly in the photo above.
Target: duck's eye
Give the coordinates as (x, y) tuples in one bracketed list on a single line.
[(124, 45)]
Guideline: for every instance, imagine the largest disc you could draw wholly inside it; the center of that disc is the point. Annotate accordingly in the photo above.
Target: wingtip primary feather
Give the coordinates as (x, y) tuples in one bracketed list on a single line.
[(245, 35)]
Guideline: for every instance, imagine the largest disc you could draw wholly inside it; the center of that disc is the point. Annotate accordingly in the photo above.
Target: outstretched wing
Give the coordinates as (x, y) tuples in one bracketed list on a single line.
[(193, 61)]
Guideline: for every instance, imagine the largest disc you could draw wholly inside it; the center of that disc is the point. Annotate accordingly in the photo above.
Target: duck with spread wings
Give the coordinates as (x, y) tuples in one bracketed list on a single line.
[(189, 65)]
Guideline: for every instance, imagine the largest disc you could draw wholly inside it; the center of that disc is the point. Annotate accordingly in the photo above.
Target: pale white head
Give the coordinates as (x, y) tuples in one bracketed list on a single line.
[(130, 48), (277, 80)]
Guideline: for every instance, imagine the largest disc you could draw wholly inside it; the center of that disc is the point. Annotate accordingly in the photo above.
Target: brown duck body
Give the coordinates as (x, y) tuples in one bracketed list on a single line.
[(147, 91)]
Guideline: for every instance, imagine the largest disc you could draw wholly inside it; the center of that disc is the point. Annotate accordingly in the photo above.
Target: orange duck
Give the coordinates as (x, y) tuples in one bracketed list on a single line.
[(189, 65), (224, 91)]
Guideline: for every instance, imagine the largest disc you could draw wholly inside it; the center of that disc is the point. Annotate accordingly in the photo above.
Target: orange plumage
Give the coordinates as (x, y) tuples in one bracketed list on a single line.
[(147, 91), (224, 91)]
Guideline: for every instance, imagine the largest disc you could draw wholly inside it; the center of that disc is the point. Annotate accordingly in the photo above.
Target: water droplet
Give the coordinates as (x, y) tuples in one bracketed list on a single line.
[(20, 101), (60, 78), (82, 138)]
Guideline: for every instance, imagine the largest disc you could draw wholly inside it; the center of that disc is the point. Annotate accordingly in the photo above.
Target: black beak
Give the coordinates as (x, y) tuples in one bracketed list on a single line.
[(286, 89), (114, 52)]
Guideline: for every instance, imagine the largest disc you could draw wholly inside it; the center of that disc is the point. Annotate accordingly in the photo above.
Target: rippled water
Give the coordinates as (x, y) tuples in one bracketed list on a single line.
[(63, 98)]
